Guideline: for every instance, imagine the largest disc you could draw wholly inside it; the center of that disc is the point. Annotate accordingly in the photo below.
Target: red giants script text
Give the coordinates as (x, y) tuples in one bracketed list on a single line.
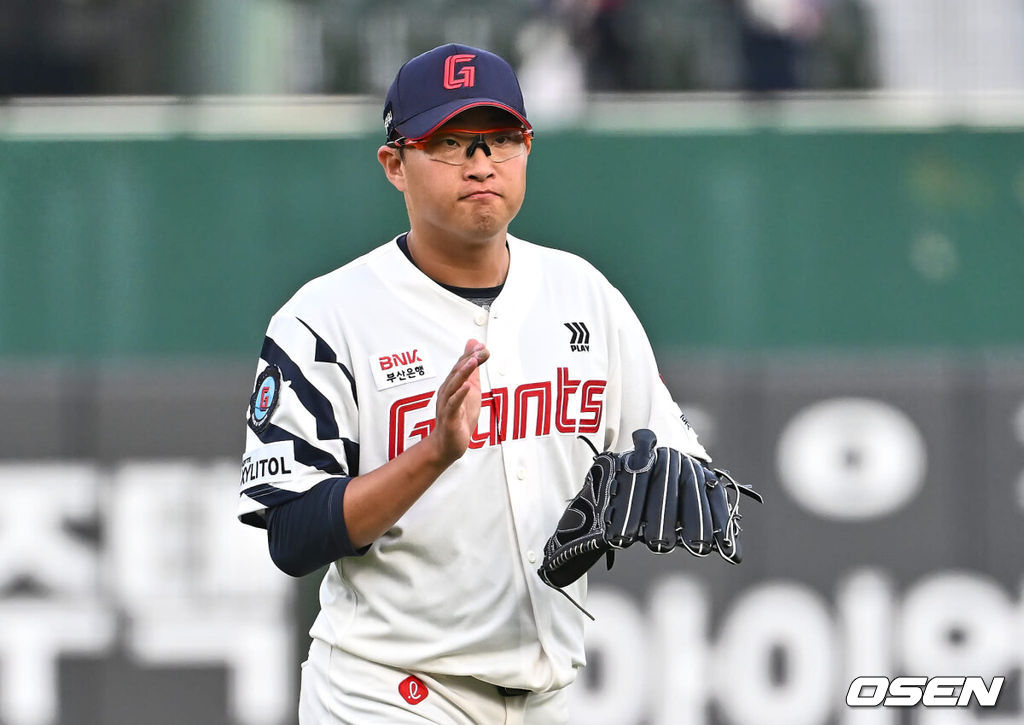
[(576, 406)]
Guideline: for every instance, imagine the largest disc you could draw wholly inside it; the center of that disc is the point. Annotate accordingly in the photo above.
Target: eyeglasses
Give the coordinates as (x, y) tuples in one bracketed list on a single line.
[(454, 146)]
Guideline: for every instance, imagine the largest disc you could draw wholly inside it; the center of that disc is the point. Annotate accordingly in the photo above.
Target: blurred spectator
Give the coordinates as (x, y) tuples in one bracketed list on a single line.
[(844, 53), (803, 44), (37, 58), (775, 35), (610, 46), (550, 71)]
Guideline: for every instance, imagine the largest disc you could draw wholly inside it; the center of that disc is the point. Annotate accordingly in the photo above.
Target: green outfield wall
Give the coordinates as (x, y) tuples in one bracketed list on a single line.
[(723, 241), (137, 278)]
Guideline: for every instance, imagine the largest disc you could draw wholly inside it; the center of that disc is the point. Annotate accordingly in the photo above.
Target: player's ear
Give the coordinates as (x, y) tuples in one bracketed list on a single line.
[(394, 169)]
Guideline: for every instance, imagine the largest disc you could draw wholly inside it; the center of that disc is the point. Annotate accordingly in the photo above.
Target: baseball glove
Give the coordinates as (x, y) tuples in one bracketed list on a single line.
[(659, 496)]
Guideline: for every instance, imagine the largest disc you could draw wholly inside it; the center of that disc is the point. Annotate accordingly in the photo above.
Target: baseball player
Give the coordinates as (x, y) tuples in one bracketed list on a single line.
[(415, 424)]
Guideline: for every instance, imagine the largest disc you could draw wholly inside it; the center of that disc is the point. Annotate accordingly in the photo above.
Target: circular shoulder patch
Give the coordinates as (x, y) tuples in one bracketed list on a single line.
[(264, 398)]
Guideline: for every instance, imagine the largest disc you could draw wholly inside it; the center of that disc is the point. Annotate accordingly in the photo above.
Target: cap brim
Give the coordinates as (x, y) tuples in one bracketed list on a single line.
[(424, 124)]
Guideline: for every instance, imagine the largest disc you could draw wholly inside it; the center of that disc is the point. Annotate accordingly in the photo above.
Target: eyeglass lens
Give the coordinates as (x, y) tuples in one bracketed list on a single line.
[(455, 147)]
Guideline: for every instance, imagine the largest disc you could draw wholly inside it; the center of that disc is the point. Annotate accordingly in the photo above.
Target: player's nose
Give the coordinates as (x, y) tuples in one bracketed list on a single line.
[(478, 165)]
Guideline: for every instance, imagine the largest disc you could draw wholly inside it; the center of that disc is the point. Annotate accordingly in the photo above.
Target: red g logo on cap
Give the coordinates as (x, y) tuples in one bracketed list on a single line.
[(413, 690), (466, 76)]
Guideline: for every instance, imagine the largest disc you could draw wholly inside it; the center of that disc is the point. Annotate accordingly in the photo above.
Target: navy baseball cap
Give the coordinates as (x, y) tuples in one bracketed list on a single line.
[(433, 87)]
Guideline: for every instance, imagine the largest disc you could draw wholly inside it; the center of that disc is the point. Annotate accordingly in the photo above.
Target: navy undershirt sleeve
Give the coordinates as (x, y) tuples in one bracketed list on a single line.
[(309, 531)]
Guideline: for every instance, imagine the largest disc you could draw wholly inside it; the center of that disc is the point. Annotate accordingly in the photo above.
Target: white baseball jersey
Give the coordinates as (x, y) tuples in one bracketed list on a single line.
[(452, 587)]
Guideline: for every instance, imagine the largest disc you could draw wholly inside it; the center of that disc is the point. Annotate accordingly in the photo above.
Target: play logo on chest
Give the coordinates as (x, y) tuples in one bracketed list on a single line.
[(399, 367)]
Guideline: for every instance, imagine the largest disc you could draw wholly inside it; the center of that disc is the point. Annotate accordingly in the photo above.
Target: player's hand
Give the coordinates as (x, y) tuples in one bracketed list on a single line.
[(458, 404)]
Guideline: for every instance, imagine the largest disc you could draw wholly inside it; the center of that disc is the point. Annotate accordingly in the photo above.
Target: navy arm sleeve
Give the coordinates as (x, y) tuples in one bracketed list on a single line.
[(309, 531)]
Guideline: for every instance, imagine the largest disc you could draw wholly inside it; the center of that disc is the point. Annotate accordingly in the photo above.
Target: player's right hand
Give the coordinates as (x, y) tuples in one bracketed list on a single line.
[(458, 404)]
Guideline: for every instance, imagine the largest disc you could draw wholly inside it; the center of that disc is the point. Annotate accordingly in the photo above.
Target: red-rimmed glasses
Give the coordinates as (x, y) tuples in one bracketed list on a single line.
[(454, 146)]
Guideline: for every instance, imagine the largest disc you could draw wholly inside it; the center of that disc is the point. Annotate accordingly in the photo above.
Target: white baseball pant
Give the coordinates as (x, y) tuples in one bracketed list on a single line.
[(338, 687)]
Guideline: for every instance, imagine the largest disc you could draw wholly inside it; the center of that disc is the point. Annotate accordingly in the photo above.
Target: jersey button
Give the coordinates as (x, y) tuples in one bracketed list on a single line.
[(521, 474), (481, 318), (531, 557)]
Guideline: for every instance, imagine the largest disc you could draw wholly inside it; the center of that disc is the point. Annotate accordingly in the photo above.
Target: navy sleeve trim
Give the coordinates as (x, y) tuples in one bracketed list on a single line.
[(351, 456), (309, 454), (312, 399), (309, 531), (268, 495), (324, 353)]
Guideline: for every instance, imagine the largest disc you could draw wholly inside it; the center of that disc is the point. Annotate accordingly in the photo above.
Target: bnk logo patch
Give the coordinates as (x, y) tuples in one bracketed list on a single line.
[(399, 367)]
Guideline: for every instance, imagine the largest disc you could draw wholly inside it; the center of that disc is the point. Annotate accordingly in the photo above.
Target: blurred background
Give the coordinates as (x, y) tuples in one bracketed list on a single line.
[(816, 208)]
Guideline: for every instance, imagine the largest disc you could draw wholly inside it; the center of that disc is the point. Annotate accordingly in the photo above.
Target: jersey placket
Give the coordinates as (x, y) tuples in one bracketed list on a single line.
[(504, 369)]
